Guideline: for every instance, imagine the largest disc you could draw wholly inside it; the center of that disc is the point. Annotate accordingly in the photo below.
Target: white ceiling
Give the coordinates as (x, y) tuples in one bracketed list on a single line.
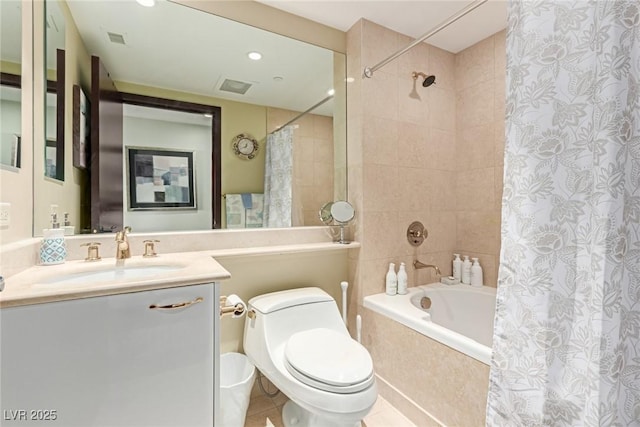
[(175, 47), (412, 18)]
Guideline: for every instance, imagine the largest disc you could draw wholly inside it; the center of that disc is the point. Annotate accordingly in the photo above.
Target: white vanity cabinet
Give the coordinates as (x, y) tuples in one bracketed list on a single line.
[(112, 360)]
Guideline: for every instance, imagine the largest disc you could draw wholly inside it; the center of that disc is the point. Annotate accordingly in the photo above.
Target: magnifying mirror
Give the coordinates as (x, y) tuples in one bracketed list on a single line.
[(342, 212), (325, 213)]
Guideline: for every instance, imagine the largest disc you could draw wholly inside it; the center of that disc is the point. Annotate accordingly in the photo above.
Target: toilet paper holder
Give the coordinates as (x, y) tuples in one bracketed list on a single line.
[(236, 308)]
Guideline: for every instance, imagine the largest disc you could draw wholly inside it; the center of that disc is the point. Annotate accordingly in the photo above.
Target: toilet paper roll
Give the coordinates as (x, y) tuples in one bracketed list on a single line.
[(233, 300)]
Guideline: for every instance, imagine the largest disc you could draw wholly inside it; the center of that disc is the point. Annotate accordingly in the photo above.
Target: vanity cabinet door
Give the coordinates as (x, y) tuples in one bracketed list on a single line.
[(111, 361)]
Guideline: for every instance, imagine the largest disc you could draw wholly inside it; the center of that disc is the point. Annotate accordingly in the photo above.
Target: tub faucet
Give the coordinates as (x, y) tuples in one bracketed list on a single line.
[(418, 265), (122, 245)]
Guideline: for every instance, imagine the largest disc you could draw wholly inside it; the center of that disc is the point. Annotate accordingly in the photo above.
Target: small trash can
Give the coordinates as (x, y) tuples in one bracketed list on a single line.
[(237, 375)]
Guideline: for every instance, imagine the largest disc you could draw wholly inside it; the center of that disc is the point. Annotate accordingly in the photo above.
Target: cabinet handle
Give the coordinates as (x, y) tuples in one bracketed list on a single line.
[(177, 305)]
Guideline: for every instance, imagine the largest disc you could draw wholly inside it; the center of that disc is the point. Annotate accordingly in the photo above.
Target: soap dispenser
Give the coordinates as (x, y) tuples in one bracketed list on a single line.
[(476, 273), (466, 271), (457, 267), (402, 279), (53, 249), (391, 287), (69, 230)]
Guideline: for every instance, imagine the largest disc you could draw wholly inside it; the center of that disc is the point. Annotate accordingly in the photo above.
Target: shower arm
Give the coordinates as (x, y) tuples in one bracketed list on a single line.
[(368, 71)]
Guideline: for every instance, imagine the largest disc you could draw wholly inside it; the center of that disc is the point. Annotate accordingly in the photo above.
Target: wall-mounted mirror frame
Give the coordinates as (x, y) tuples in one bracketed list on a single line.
[(341, 132), (54, 144)]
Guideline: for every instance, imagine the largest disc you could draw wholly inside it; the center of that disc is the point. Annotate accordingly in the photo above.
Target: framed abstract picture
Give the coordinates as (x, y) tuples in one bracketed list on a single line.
[(160, 179)]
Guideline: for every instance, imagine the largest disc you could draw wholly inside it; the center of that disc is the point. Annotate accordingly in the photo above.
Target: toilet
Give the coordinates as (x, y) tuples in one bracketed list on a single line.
[(297, 339)]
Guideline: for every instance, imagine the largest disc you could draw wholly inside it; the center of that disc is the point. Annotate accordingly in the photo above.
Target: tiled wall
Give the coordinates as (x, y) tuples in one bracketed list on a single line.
[(480, 73), (431, 155), (313, 160)]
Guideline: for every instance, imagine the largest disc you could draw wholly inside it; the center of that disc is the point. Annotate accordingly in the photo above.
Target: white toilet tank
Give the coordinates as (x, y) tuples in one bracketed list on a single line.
[(279, 315)]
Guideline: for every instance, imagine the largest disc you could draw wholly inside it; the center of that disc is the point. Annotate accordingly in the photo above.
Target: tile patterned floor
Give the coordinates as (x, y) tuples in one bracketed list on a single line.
[(266, 412)]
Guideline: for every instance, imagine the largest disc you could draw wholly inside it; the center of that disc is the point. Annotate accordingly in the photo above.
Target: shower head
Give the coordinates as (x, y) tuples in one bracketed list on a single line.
[(428, 80)]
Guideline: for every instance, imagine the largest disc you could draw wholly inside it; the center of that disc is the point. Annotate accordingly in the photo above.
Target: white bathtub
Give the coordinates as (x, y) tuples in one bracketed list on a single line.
[(460, 316)]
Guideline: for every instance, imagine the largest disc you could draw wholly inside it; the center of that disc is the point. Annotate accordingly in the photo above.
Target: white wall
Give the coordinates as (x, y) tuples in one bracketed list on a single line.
[(144, 132)]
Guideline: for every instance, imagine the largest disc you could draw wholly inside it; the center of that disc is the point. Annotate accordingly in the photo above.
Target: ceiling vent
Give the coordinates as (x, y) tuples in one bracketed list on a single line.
[(235, 86), (116, 38)]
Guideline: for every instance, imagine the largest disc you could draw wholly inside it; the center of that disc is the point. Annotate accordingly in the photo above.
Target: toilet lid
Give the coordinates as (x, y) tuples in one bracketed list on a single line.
[(328, 357)]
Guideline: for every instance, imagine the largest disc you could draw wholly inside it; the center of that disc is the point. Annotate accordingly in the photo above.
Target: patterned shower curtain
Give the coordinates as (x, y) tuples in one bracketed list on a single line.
[(567, 333), (278, 179)]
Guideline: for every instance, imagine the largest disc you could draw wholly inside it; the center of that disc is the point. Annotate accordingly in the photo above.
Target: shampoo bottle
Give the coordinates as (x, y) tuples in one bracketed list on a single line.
[(476, 273), (53, 249), (392, 280), (466, 271), (457, 267), (402, 279)]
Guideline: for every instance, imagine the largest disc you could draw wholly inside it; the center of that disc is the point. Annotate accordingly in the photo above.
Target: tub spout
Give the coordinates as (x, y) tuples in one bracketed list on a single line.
[(418, 265)]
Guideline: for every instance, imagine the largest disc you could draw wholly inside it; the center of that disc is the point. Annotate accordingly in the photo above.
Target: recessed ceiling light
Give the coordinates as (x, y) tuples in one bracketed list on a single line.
[(208, 115), (278, 79), (350, 80), (331, 92), (254, 55), (147, 3)]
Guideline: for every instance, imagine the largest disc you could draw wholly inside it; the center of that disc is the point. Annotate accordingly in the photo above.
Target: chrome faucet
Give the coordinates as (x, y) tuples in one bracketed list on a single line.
[(122, 244), (418, 265)]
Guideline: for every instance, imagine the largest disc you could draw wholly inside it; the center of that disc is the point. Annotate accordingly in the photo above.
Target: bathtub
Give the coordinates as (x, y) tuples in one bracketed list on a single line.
[(460, 316)]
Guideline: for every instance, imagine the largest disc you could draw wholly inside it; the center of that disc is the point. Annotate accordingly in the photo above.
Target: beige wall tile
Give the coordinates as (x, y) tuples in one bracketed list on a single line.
[(381, 186), (323, 151), (442, 108), (380, 95), (413, 105), (380, 142), (413, 139), (442, 65), (412, 186), (475, 190), (450, 385), (500, 52), (475, 65), (442, 197), (441, 151), (475, 146), (379, 235), (499, 141), (478, 231), (378, 43), (416, 59), (475, 105)]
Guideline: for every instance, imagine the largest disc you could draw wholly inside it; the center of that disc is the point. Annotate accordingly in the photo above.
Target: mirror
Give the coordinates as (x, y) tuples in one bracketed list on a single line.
[(170, 51), (342, 211), (10, 85), (325, 213)]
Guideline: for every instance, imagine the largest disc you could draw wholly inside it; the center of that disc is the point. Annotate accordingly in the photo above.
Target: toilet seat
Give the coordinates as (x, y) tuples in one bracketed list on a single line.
[(328, 360)]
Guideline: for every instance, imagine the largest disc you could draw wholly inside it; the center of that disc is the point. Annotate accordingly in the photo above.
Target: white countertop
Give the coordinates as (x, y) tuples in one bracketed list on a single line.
[(31, 286)]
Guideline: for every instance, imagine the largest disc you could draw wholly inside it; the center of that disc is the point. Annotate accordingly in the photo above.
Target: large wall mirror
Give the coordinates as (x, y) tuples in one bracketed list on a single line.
[(174, 52), (10, 85)]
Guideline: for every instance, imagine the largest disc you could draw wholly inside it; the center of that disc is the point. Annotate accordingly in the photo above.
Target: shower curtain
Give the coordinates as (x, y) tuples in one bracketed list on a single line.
[(566, 346), (278, 179)]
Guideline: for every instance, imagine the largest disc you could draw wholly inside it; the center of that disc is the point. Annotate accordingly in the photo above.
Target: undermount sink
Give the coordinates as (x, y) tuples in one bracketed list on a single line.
[(111, 274)]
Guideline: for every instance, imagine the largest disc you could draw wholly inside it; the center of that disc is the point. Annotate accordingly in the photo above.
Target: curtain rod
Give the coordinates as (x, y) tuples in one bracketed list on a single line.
[(368, 71), (303, 113)]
